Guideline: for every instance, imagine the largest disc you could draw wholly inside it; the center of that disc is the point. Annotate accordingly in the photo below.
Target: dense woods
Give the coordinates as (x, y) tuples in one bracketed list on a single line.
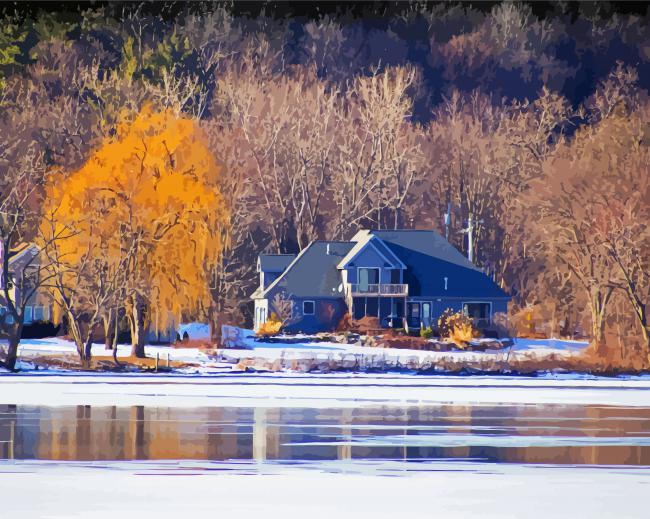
[(529, 124)]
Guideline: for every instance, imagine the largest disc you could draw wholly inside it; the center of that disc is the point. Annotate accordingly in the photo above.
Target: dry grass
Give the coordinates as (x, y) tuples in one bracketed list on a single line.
[(504, 362), (104, 363)]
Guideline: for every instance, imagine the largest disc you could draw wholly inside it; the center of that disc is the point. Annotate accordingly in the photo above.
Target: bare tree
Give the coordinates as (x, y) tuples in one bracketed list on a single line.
[(377, 162), (284, 308)]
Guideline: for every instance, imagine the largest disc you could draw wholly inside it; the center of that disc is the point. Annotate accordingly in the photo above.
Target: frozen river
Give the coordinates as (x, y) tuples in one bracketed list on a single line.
[(242, 447)]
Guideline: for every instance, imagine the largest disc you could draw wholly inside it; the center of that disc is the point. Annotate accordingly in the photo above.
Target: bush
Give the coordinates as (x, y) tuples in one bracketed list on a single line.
[(366, 325), (457, 327), (462, 333), (426, 333), (270, 327), (345, 323)]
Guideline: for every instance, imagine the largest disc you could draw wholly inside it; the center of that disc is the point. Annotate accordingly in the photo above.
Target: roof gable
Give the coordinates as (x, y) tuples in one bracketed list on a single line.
[(436, 268), (370, 241)]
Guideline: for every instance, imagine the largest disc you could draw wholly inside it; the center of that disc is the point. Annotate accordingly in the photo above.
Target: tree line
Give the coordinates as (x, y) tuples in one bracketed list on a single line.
[(286, 129)]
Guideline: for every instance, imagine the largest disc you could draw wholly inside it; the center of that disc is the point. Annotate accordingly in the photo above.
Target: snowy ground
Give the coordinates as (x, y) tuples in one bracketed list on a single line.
[(355, 490), (264, 352)]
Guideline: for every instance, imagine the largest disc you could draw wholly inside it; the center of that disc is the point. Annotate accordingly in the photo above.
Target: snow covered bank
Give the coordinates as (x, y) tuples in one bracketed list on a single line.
[(351, 489), (304, 354), (320, 391)]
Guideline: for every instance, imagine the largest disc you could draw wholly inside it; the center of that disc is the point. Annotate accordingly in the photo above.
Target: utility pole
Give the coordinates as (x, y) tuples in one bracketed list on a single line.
[(470, 239), (447, 220), (470, 236), (469, 231)]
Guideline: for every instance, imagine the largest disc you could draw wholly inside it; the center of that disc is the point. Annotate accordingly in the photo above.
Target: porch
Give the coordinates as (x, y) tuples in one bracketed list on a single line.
[(379, 289), (402, 312)]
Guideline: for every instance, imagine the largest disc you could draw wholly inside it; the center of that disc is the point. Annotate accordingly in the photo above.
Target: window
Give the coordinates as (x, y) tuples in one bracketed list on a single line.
[(395, 275), (368, 276), (308, 307), (29, 316), (426, 314), (39, 313), (477, 310)]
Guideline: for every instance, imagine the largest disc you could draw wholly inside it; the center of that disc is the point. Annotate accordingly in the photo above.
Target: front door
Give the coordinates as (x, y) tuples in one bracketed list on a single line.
[(413, 314)]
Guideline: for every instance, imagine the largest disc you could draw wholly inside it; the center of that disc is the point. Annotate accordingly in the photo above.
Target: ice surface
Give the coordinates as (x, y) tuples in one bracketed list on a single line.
[(342, 489), (310, 390)]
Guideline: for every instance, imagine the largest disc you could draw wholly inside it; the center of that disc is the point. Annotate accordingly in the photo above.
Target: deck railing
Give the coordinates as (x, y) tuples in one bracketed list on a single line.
[(380, 289)]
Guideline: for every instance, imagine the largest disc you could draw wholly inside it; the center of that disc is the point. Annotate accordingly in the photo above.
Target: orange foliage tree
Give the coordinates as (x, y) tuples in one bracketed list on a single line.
[(155, 186)]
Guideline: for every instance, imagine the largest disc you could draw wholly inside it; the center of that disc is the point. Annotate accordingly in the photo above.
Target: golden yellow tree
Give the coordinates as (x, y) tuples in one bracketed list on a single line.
[(156, 185)]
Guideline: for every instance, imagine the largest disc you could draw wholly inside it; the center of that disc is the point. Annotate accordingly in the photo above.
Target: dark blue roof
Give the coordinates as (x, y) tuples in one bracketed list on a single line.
[(429, 258)]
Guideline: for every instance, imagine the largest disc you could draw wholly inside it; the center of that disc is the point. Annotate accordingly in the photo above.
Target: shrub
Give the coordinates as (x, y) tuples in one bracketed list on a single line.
[(426, 333), (345, 323), (457, 327), (448, 319), (270, 327), (462, 333), (366, 325)]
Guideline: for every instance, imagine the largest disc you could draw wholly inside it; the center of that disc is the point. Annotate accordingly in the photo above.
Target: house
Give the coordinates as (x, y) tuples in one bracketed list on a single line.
[(405, 278), (38, 309), (39, 306)]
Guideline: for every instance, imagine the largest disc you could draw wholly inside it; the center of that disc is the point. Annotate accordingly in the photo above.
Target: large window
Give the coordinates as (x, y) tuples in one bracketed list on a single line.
[(368, 276), (308, 307), (477, 310)]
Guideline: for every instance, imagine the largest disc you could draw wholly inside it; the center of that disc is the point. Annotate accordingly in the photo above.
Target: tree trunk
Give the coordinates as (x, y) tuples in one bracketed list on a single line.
[(598, 305), (88, 349), (12, 348), (216, 321), (137, 328), (116, 321), (109, 329), (75, 330), (640, 311)]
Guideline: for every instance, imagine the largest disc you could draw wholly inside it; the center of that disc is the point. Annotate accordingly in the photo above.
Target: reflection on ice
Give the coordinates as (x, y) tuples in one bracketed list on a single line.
[(482, 440), (542, 434)]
